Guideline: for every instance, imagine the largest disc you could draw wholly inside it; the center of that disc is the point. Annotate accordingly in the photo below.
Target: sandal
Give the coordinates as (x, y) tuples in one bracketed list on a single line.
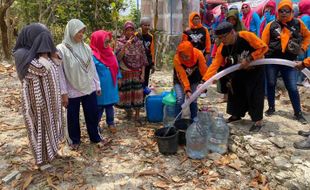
[(104, 142), (74, 146), (112, 129), (232, 119)]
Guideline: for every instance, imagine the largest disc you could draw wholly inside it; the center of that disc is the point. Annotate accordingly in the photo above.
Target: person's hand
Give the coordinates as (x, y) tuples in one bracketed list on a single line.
[(300, 66), (98, 92), (245, 64), (188, 94), (64, 100)]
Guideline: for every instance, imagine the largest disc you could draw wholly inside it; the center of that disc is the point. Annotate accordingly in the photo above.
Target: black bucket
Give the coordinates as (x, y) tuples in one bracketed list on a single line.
[(169, 143), (181, 125)]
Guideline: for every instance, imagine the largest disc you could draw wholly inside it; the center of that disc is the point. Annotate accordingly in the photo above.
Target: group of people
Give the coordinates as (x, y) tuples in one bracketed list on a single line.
[(74, 73), (100, 76), (241, 40)]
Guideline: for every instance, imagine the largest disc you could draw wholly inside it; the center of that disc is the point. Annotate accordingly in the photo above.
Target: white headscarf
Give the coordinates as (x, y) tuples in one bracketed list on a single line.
[(77, 58)]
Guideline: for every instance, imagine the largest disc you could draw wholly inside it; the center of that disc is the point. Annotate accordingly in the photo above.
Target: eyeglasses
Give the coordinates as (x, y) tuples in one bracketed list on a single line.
[(245, 7), (284, 11), (224, 8), (222, 37)]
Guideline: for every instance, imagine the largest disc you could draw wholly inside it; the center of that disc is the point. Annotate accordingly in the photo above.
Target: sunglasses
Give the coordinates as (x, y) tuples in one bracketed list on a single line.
[(222, 37), (245, 7), (284, 11)]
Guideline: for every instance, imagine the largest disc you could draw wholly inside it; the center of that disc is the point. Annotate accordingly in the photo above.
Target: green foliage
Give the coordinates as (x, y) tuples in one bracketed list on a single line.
[(96, 14), (135, 13)]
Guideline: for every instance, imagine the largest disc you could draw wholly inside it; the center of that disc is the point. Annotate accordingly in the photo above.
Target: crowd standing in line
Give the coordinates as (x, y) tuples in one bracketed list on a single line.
[(99, 77)]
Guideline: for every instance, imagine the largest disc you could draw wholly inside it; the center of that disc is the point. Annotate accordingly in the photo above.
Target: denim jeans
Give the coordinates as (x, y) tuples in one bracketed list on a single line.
[(109, 110), (181, 97), (289, 78)]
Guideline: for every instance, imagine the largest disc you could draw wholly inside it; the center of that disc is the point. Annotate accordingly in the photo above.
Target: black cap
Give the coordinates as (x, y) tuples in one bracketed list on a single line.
[(223, 28)]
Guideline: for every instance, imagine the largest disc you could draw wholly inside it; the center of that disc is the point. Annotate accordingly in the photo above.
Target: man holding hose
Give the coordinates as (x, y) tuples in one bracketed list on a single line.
[(304, 144), (246, 86)]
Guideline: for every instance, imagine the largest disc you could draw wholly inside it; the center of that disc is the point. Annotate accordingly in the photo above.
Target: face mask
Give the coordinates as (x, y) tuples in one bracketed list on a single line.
[(267, 15)]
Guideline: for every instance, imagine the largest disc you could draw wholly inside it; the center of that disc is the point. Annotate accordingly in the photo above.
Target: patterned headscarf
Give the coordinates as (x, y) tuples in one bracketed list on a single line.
[(33, 39)]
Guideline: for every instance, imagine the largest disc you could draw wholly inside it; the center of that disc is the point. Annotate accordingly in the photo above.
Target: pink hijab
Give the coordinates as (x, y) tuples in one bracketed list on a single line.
[(104, 55), (304, 7), (246, 18), (222, 16)]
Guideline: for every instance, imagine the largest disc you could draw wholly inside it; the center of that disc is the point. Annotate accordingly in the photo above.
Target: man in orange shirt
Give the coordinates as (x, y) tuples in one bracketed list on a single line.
[(246, 86)]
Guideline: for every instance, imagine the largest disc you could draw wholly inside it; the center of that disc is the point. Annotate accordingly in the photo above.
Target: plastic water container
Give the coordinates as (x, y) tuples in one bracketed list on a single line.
[(196, 140), (169, 102), (218, 135), (154, 107)]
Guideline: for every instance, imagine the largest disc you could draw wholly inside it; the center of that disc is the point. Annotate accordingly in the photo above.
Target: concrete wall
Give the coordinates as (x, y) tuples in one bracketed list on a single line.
[(169, 13)]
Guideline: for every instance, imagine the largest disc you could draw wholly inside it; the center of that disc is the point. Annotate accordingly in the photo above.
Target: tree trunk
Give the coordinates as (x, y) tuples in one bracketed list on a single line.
[(185, 14), (4, 29), (156, 15)]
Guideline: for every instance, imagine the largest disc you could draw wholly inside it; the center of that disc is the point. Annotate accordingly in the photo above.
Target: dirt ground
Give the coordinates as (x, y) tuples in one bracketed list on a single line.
[(132, 160)]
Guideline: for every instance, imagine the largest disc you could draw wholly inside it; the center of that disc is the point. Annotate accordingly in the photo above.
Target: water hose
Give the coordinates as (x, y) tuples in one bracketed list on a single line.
[(236, 67)]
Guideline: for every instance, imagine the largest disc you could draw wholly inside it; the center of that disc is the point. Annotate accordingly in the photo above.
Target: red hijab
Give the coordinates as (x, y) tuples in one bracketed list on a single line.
[(104, 54), (246, 18)]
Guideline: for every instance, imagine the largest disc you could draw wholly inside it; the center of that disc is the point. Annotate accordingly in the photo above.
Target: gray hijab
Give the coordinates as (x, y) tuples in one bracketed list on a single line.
[(32, 40), (77, 59)]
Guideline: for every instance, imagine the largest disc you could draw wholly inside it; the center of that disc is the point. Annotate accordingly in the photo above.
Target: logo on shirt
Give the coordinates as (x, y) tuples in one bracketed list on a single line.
[(147, 45), (196, 37)]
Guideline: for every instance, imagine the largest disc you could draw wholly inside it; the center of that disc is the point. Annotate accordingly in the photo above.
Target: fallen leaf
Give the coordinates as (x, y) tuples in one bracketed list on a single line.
[(266, 187), (253, 183), (50, 183), (147, 172), (235, 165), (176, 179), (262, 179), (27, 182), (160, 184)]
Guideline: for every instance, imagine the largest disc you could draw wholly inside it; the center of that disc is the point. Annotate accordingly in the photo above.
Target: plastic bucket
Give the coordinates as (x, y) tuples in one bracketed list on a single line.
[(169, 143), (181, 125)]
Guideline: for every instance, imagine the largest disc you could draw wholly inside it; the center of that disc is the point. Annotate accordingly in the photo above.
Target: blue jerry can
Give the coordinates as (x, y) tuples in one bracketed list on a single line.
[(154, 107)]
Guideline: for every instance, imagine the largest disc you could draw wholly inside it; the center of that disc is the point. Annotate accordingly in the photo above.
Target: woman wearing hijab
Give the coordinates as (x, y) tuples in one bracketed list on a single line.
[(221, 18), (250, 19), (285, 43), (82, 83), (189, 67), (234, 19), (269, 14), (132, 61), (198, 35), (107, 68), (304, 10), (40, 74)]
